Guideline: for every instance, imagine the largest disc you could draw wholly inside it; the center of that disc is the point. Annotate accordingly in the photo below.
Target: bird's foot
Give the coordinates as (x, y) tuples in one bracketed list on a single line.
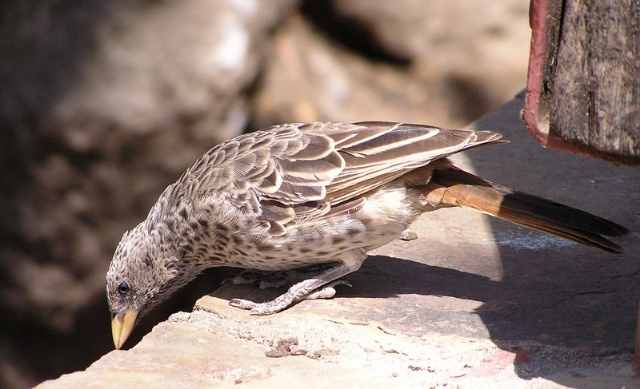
[(408, 235), (298, 292)]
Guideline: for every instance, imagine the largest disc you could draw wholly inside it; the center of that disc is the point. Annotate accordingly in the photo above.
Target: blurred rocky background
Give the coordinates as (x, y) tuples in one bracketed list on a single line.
[(105, 103)]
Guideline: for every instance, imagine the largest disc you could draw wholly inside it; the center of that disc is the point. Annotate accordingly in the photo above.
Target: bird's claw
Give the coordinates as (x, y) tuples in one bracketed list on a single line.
[(243, 304), (408, 235), (261, 309), (287, 299)]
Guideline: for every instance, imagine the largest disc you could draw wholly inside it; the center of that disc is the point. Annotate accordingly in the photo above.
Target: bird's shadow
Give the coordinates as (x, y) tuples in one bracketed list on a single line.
[(556, 307), (548, 302)]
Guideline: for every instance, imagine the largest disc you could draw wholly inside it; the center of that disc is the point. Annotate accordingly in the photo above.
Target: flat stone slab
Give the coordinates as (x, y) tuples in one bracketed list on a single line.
[(473, 302)]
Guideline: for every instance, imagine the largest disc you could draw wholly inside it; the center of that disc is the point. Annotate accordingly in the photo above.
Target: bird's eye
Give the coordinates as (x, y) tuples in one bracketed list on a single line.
[(123, 288)]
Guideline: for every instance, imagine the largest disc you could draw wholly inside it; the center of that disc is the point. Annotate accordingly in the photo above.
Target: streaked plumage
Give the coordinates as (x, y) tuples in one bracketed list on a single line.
[(306, 194)]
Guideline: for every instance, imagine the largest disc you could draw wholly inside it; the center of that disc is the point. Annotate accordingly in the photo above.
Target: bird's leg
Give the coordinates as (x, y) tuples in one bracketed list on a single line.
[(307, 289), (327, 291)]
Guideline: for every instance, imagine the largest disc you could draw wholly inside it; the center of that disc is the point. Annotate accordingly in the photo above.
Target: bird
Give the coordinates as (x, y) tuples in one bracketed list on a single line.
[(310, 194)]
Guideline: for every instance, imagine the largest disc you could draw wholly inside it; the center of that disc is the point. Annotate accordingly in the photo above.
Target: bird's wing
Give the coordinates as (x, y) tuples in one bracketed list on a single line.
[(376, 153), (292, 170)]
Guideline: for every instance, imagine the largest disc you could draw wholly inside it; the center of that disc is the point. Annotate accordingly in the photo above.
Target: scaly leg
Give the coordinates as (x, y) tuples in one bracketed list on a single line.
[(306, 289)]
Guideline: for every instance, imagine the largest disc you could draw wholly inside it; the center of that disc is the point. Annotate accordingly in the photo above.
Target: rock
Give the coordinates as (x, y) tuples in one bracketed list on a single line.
[(465, 58), (221, 346)]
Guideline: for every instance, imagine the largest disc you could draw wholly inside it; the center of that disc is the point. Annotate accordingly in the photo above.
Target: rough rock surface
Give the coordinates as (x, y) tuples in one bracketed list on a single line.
[(471, 303), (213, 347)]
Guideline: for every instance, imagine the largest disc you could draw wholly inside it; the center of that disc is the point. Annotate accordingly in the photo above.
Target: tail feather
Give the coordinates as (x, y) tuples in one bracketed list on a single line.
[(452, 186)]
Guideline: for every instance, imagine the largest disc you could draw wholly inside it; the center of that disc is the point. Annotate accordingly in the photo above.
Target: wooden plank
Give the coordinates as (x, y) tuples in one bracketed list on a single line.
[(584, 84)]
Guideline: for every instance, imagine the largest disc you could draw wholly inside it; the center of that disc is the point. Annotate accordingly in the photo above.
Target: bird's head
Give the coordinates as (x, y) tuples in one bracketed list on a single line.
[(142, 273)]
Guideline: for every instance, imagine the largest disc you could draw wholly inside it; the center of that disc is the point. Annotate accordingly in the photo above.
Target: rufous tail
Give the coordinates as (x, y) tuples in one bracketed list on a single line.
[(451, 186)]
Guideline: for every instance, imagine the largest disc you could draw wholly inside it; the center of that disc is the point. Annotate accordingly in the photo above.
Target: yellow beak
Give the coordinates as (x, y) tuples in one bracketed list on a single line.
[(122, 326)]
